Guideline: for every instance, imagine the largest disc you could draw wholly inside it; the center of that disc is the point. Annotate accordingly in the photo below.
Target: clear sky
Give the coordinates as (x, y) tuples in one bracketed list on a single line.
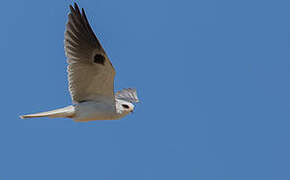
[(212, 77)]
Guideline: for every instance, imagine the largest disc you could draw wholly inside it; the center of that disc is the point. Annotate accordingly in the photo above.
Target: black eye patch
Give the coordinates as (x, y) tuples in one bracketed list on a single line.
[(99, 59), (125, 106)]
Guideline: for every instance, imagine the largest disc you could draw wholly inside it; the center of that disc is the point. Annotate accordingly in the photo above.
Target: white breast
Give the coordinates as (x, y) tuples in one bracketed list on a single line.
[(89, 111)]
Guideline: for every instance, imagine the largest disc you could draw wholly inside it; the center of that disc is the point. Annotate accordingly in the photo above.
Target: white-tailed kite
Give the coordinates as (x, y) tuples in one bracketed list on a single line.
[(90, 76)]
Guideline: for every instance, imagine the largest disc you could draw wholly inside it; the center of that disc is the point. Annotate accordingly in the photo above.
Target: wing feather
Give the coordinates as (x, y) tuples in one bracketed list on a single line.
[(90, 72), (129, 95)]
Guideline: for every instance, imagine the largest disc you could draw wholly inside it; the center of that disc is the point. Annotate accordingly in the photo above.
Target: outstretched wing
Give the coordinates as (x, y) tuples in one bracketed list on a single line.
[(129, 95), (90, 72)]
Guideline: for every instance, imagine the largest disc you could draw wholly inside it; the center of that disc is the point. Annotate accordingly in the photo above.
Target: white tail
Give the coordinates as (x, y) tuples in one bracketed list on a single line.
[(68, 111)]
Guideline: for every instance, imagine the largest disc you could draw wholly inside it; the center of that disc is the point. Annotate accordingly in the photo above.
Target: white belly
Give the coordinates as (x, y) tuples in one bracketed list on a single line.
[(90, 111)]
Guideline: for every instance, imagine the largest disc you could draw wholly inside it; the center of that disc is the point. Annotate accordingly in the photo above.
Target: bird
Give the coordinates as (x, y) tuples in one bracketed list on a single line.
[(90, 77)]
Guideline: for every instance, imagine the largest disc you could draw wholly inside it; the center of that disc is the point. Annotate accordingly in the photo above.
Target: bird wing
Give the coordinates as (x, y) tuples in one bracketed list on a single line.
[(90, 72), (129, 95)]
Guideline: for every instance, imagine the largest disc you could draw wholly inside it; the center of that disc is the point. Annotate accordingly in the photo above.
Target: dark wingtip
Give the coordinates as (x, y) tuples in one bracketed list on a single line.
[(76, 7), (83, 12), (71, 8)]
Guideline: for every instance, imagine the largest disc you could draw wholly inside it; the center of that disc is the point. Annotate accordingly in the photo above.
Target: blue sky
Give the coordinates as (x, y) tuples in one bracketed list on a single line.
[(212, 76)]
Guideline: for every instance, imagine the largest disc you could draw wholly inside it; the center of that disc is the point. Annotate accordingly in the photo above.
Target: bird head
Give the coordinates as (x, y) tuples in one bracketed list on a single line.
[(124, 106)]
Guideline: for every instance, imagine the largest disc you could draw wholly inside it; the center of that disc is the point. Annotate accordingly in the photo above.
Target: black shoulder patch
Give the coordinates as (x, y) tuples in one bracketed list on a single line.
[(99, 59)]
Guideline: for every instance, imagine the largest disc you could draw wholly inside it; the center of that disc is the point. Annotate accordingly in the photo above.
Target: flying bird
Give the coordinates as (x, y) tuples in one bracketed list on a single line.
[(90, 76)]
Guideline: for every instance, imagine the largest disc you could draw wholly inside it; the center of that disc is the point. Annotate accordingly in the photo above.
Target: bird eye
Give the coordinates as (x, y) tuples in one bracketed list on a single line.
[(125, 106)]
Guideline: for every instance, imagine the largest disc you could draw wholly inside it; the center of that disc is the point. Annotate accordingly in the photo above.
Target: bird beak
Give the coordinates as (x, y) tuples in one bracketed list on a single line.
[(131, 111)]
